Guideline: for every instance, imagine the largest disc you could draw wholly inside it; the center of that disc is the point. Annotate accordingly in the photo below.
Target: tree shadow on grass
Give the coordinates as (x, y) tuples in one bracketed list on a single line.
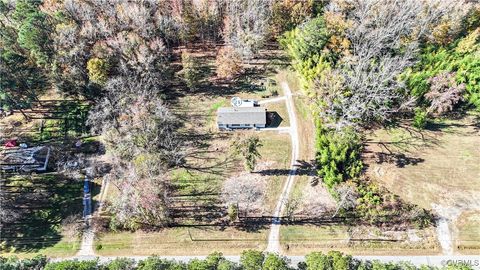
[(302, 168), (399, 159), (42, 202), (250, 81)]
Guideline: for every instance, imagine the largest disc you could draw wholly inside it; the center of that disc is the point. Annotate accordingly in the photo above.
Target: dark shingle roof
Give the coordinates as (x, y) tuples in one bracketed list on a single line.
[(242, 115)]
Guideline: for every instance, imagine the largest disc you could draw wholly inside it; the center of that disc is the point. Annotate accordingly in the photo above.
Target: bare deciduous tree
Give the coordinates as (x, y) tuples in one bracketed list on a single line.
[(140, 133), (72, 227), (247, 25), (384, 42), (143, 198), (292, 204), (134, 122), (444, 93), (347, 197), (137, 35), (245, 191)]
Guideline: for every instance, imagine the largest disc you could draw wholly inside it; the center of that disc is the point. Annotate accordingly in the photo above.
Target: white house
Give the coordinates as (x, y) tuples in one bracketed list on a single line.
[(241, 117)]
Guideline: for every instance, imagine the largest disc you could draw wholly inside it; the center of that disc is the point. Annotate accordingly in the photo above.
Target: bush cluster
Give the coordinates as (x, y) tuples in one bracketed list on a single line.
[(338, 155), (249, 260), (461, 58)]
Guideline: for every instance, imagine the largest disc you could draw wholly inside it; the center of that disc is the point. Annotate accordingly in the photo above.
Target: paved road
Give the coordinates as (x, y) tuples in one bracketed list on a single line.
[(274, 235)]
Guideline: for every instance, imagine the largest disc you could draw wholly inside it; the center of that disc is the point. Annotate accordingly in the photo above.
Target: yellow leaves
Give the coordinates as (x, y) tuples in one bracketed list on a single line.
[(338, 44), (328, 83), (470, 43), (64, 27), (98, 70), (337, 25), (336, 22), (228, 62), (441, 33)]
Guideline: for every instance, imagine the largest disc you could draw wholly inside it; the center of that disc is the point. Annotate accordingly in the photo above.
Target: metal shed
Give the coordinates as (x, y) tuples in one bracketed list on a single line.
[(241, 117)]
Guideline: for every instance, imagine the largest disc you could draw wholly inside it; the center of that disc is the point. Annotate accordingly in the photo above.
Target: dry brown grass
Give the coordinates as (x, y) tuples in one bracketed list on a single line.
[(437, 168), (468, 233), (440, 168), (180, 241), (357, 240)]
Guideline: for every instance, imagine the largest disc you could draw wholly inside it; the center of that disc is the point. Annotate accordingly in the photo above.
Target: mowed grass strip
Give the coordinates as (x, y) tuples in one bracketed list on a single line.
[(62, 248), (181, 241), (364, 240), (276, 153)]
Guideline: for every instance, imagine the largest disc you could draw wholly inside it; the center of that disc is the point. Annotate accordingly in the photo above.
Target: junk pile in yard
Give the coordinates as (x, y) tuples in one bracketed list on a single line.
[(23, 158)]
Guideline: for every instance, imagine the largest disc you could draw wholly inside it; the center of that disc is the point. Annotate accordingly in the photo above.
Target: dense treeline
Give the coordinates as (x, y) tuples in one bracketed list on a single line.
[(370, 63), (249, 260)]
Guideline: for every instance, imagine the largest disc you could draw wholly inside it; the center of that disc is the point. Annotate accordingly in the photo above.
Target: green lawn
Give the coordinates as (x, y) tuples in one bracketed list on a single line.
[(276, 152), (44, 200), (63, 248)]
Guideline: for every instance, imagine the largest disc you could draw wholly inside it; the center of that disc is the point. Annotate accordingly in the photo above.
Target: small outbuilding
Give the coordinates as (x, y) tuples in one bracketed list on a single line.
[(241, 117)]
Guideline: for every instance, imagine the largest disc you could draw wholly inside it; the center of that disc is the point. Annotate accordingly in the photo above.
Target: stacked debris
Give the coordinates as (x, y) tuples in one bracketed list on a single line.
[(20, 159)]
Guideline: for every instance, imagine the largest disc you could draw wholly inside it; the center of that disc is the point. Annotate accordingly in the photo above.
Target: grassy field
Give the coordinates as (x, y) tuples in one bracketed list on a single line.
[(468, 229), (357, 240), (63, 248), (440, 163), (276, 152), (200, 191), (181, 241), (43, 201), (306, 127), (437, 168)]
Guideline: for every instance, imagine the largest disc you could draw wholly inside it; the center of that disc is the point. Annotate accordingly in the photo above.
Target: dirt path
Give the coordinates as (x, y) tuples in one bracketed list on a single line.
[(277, 99), (446, 226), (274, 236), (86, 248)]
